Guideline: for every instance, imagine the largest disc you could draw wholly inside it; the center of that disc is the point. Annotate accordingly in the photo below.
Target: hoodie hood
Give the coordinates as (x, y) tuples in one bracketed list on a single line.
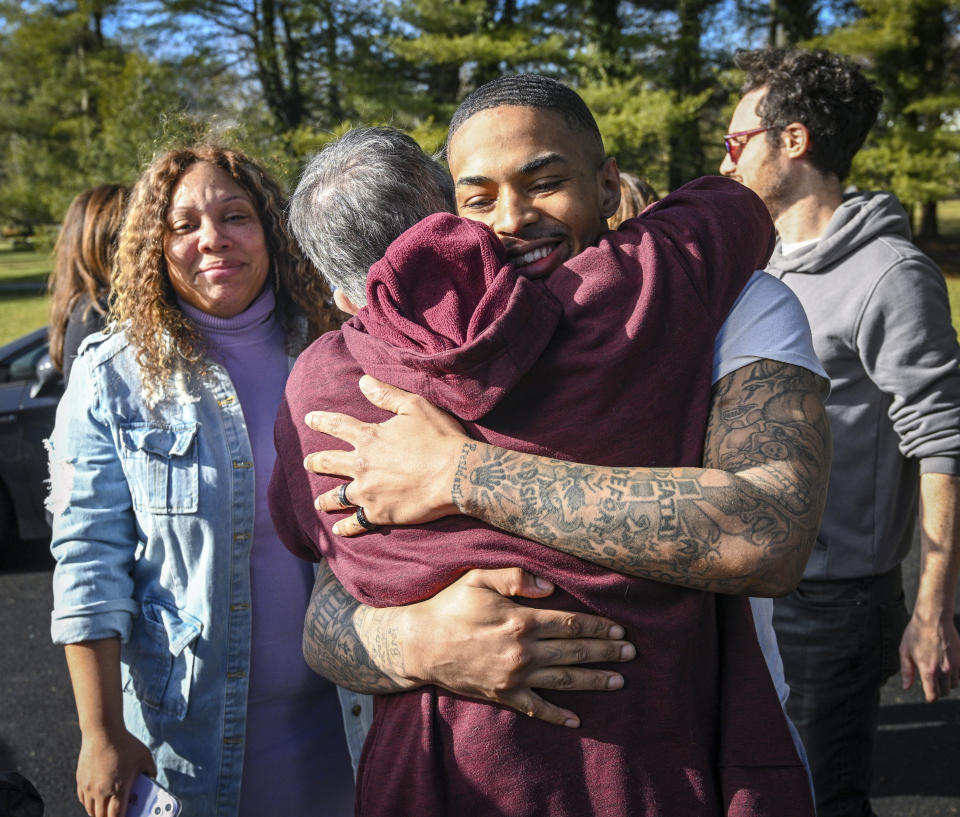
[(858, 220), (448, 317)]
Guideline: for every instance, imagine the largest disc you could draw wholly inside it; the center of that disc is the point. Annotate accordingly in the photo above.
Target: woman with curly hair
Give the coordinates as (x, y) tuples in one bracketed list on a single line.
[(180, 611), (83, 256)]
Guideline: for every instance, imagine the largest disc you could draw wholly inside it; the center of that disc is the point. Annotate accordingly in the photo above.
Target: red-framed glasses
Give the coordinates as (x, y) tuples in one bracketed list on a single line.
[(736, 142)]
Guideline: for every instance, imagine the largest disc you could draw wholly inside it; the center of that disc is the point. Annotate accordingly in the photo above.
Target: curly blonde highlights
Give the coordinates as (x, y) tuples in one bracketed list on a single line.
[(143, 303)]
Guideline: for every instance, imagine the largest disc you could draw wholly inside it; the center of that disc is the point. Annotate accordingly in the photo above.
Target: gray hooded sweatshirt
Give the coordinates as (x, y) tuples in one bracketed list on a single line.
[(880, 316)]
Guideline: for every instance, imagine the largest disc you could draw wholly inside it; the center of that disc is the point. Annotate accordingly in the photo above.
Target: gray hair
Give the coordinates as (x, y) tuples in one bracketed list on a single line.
[(357, 195)]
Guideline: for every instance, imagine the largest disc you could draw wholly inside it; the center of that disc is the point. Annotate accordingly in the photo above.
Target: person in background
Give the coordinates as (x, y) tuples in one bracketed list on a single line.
[(180, 612), (880, 317), (82, 259), (635, 196)]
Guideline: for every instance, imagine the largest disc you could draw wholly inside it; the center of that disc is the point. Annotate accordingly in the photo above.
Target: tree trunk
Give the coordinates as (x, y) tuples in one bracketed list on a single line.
[(791, 21), (605, 29), (686, 147), (334, 102), (775, 37), (929, 226), (284, 103)]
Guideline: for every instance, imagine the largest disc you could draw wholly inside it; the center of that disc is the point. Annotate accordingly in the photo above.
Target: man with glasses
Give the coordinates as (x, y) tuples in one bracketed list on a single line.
[(880, 317)]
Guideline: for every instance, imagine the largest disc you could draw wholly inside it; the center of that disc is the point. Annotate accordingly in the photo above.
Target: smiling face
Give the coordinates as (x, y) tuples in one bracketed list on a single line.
[(214, 244), (536, 181)]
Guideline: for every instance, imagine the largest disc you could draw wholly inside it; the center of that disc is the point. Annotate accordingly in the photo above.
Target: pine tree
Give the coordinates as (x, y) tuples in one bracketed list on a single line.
[(311, 59), (77, 108), (910, 49)]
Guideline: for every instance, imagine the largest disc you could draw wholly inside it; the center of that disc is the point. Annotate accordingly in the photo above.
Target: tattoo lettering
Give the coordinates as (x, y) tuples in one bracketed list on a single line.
[(743, 523), (331, 642), (460, 474)]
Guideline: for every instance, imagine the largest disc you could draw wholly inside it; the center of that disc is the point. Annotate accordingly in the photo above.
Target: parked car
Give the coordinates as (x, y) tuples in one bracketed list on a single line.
[(30, 388)]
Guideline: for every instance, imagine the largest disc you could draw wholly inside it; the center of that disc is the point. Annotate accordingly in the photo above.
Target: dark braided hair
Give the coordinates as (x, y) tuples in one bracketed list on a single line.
[(824, 91), (530, 91)]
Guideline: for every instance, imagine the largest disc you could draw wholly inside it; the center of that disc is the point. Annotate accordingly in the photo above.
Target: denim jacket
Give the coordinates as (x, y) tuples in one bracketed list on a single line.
[(153, 514)]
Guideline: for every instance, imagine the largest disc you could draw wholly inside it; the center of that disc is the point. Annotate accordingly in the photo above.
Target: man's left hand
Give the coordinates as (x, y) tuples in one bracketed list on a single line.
[(932, 648), (401, 469)]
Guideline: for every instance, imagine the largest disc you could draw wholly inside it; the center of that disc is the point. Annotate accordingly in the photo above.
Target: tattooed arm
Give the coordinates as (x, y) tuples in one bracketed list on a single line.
[(743, 523), (470, 638), (333, 645)]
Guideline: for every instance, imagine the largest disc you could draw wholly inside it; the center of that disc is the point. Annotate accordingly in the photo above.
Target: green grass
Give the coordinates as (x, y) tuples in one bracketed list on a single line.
[(953, 285), (948, 217), (24, 306), (21, 266)]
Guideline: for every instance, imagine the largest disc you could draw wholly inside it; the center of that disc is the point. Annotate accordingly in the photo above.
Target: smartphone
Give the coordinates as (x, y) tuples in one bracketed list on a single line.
[(148, 799)]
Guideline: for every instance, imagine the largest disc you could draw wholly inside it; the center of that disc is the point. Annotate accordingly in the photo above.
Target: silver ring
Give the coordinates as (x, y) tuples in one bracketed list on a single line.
[(342, 496), (364, 522)]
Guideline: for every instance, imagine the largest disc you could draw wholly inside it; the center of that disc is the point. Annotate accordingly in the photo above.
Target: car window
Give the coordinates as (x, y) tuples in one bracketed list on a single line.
[(23, 366)]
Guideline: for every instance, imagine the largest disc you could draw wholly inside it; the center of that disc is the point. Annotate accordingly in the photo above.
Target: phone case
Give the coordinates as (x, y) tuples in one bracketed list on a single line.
[(147, 799)]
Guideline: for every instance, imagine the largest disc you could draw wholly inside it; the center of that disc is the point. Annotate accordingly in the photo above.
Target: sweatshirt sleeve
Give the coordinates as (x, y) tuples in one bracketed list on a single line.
[(719, 232), (909, 349), (289, 494)]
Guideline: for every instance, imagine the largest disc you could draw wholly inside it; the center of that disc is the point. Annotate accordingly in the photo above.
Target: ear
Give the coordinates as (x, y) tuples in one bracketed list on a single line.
[(344, 303), (795, 140), (609, 179)]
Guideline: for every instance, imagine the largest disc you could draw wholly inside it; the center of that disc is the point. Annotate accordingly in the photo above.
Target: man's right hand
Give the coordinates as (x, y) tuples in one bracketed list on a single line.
[(472, 639), (106, 770)]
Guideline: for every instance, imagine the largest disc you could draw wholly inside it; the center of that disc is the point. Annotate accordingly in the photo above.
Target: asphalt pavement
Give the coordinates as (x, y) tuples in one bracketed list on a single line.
[(916, 771), (39, 735)]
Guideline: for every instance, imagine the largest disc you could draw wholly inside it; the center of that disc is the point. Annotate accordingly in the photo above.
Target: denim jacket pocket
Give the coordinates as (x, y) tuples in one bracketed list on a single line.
[(161, 657), (161, 466)]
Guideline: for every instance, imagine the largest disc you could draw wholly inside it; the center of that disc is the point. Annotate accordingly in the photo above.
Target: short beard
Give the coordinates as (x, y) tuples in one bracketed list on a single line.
[(779, 196)]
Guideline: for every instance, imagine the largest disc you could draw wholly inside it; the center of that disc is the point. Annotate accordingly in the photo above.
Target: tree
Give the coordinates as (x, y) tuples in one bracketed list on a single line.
[(49, 59), (312, 59), (910, 49), (782, 23), (77, 108), (444, 49)]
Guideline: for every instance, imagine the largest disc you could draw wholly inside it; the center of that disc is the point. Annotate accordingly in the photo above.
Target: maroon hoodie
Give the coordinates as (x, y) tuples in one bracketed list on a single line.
[(608, 361)]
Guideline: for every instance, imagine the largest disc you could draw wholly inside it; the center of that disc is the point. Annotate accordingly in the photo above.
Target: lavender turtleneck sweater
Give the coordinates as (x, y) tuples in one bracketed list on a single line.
[(295, 760)]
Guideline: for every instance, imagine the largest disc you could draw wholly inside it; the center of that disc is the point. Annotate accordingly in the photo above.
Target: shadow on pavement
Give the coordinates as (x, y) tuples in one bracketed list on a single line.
[(918, 750), (7, 758), (26, 556)]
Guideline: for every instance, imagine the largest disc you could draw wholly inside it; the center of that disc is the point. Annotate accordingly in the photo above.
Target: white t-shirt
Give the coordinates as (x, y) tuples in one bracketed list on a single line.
[(789, 248), (766, 321)]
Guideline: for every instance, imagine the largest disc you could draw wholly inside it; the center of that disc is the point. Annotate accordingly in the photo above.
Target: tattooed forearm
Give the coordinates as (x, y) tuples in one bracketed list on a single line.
[(743, 523), (353, 645), (461, 473)]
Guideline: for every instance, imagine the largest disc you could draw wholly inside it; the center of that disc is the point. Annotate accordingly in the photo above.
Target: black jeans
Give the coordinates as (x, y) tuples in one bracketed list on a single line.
[(839, 642)]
